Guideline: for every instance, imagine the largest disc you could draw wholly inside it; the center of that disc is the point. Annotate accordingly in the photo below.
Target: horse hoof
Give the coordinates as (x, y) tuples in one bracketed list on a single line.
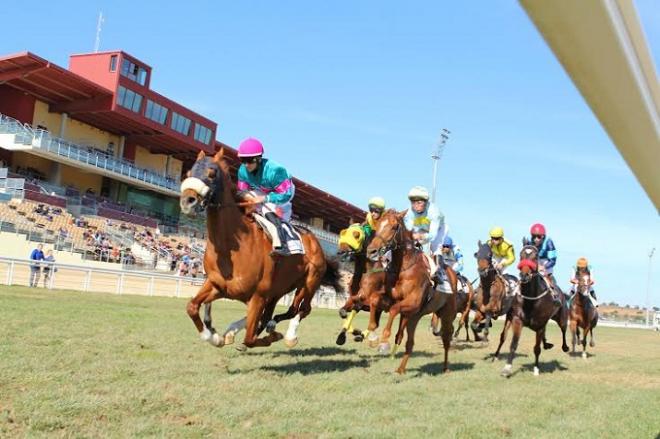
[(241, 347), (342, 313), (358, 338), (507, 370), (384, 348), (548, 346), (290, 342), (584, 355), (217, 341), (565, 348), (270, 326), (373, 340), (205, 335), (592, 344), (536, 371), (400, 371), (229, 338), (341, 338)]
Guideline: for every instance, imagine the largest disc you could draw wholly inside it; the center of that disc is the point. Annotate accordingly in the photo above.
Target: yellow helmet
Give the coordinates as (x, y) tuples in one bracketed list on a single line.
[(497, 232), (377, 202), (582, 263)]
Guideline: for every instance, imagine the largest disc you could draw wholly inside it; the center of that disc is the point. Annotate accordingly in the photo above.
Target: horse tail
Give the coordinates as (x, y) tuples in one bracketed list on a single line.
[(332, 277)]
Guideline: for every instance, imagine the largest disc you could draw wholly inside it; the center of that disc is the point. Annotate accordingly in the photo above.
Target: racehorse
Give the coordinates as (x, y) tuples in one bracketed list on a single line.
[(412, 291), (494, 297), (533, 307), (464, 303), (352, 247), (583, 314), (238, 260)]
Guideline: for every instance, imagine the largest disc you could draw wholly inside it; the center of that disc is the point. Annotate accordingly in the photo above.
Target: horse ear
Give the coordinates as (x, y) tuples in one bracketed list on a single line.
[(479, 243), (201, 155), (219, 155), (525, 241), (402, 214)]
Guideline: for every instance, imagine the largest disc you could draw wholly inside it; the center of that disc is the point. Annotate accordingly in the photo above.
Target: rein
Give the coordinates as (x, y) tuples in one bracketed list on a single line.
[(533, 297)]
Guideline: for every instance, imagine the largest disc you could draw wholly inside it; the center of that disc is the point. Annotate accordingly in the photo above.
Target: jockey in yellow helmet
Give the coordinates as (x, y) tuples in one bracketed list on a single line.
[(583, 270), (503, 253)]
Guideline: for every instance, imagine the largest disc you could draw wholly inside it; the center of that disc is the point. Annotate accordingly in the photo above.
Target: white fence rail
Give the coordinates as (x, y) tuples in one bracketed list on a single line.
[(50, 275)]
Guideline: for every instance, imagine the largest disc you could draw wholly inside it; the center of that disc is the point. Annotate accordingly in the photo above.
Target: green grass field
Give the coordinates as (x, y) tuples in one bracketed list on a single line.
[(89, 365)]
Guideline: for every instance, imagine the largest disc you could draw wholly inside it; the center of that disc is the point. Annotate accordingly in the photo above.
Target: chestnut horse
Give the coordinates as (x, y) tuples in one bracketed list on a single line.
[(583, 315), (347, 253), (533, 307), (238, 260), (412, 291), (493, 296)]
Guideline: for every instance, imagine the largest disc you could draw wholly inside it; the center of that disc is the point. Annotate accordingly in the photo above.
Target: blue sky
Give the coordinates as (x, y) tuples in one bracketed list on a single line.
[(351, 96)]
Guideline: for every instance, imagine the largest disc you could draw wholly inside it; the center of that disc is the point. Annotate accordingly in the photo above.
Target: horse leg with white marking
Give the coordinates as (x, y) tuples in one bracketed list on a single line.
[(540, 335), (205, 296)]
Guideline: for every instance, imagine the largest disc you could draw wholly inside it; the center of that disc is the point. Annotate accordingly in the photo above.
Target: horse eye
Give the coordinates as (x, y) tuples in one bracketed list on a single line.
[(211, 173)]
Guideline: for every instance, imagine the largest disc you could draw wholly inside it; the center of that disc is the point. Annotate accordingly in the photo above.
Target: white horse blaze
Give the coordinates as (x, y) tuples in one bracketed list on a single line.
[(292, 332)]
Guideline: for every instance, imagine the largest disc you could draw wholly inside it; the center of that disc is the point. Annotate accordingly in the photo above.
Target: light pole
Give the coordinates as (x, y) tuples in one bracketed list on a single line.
[(437, 154), (648, 289)]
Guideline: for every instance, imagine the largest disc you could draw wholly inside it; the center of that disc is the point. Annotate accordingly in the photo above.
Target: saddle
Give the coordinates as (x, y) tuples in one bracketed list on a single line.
[(294, 243)]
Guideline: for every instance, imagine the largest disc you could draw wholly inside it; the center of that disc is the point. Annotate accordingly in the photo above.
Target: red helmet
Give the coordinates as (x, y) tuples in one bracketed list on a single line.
[(537, 229)]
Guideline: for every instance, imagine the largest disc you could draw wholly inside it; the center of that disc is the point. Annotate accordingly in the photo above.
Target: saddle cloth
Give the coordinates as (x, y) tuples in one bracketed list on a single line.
[(294, 243)]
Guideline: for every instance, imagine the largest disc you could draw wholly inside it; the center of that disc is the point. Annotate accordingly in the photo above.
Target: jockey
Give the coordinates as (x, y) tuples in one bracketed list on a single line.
[(427, 224), (452, 255), (547, 253), (582, 269), (376, 209), (273, 187), (503, 253)]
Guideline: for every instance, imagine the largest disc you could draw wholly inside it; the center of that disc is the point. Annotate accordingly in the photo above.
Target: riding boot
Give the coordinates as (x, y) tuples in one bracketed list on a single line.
[(593, 294), (283, 249), (440, 274)]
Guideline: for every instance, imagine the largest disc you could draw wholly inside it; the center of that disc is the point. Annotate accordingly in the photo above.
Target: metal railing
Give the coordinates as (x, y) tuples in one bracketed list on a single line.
[(53, 275), (43, 140)]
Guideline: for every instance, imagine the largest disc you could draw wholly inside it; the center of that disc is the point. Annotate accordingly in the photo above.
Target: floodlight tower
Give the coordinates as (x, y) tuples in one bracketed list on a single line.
[(648, 289), (436, 156)]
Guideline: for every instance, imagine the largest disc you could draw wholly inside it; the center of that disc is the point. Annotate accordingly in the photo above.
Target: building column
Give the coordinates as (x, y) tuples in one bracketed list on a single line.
[(63, 124), (120, 150)]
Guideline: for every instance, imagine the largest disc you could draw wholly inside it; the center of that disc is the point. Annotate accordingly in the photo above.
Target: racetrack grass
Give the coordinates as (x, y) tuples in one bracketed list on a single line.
[(96, 365)]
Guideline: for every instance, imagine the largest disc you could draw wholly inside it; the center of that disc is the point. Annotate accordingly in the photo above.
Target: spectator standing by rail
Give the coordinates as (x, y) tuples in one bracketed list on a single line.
[(35, 269), (49, 268)]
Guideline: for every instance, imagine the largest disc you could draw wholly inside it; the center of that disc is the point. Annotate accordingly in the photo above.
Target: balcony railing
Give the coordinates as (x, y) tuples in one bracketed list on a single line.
[(42, 139)]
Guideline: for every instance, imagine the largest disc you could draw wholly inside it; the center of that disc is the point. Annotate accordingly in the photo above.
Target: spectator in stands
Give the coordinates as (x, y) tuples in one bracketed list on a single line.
[(35, 269), (63, 233), (49, 269)]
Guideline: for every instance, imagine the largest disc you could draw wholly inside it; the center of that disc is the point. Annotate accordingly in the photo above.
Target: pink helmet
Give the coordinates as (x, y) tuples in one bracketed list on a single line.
[(537, 229), (250, 147)]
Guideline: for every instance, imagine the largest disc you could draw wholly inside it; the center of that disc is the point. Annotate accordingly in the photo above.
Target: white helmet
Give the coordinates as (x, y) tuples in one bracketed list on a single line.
[(418, 193)]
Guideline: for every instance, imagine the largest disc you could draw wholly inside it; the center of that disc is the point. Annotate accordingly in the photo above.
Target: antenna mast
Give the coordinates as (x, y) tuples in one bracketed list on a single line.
[(436, 156)]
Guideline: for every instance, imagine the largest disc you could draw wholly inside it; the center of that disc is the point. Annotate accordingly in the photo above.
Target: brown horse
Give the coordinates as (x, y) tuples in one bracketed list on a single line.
[(583, 315), (533, 308), (412, 292), (238, 259), (465, 299), (494, 297), (358, 256)]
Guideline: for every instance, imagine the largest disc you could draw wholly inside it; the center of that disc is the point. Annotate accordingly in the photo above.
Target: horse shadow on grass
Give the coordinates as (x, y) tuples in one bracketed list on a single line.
[(313, 367), (435, 369), (323, 351), (544, 367), (503, 356)]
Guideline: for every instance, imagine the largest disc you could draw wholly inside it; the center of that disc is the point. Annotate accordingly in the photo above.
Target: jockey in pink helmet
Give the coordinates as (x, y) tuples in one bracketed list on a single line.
[(272, 187)]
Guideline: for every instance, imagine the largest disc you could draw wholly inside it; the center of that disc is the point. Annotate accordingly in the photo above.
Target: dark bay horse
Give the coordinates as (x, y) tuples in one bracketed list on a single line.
[(583, 315), (412, 292), (494, 297), (465, 302), (352, 248), (533, 307), (238, 260)]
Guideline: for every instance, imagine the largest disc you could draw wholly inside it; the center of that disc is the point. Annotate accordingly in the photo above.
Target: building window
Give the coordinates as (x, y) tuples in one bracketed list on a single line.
[(180, 124), (202, 134), (129, 99), (155, 112), (113, 63), (133, 72)]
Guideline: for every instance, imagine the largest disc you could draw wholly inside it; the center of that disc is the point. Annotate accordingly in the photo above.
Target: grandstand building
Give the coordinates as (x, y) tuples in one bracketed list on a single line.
[(95, 139)]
